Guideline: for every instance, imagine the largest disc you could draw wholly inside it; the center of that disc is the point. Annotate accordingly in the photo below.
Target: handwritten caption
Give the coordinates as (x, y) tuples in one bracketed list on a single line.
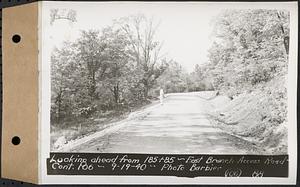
[(167, 165)]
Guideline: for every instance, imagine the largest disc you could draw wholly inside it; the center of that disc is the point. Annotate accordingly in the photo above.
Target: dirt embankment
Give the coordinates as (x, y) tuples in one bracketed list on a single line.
[(250, 116)]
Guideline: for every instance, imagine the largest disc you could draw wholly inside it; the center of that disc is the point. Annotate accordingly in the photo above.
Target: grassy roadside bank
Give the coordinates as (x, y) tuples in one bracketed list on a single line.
[(249, 117), (79, 128)]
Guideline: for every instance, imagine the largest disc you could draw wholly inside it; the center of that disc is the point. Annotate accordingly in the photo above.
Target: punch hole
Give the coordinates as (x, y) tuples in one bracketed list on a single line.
[(16, 140), (16, 38)]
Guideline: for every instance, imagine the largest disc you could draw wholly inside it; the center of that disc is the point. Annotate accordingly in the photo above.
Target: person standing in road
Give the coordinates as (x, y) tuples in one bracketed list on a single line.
[(161, 96)]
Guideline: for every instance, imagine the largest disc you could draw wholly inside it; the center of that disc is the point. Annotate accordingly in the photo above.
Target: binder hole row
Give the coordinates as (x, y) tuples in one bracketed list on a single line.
[(16, 140)]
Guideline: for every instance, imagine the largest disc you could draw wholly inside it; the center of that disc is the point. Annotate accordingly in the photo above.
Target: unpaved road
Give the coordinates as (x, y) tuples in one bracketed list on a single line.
[(180, 126)]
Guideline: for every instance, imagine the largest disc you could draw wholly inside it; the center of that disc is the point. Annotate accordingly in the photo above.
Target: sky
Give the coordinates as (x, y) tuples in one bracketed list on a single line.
[(185, 27)]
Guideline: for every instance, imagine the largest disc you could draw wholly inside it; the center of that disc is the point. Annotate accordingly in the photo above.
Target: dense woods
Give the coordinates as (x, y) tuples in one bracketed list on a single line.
[(251, 48), (248, 63), (250, 54), (109, 70)]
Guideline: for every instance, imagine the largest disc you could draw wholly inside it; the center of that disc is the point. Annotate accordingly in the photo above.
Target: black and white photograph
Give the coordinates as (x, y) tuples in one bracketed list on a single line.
[(204, 83), (177, 78)]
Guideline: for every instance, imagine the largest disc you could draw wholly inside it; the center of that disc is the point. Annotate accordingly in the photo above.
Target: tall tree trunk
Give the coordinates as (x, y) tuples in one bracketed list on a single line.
[(286, 39), (286, 42), (116, 93), (146, 90), (92, 84), (59, 103)]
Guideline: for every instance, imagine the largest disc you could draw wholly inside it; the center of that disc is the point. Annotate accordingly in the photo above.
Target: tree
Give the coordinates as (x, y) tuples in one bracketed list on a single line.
[(62, 66), (108, 70), (250, 54), (250, 48), (145, 49), (93, 56), (174, 78), (198, 80), (117, 62)]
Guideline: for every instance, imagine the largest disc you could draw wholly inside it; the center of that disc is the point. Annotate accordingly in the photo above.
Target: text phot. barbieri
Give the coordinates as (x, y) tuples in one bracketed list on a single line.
[(161, 93)]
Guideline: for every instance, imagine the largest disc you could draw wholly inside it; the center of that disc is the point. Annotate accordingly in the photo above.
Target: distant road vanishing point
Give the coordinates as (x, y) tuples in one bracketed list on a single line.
[(179, 126)]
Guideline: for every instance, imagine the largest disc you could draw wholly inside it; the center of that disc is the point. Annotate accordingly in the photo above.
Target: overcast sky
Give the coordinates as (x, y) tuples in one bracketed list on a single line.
[(185, 28)]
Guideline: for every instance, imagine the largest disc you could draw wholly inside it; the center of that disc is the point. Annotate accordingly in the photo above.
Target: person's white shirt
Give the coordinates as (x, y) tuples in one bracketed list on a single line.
[(161, 96)]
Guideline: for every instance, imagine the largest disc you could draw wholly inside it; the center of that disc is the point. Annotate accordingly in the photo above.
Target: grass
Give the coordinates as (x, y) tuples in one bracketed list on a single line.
[(246, 117), (76, 128)]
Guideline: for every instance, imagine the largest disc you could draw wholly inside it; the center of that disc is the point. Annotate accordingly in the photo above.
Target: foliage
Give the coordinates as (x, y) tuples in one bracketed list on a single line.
[(173, 79), (121, 66), (250, 55), (250, 49), (145, 49), (106, 70)]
